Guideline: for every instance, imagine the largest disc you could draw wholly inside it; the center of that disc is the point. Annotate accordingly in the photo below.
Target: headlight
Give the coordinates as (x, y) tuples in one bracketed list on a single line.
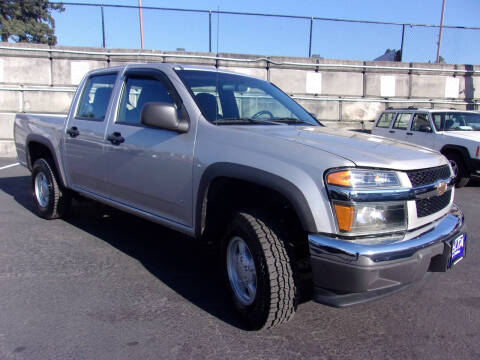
[(363, 178), (370, 218), (366, 217)]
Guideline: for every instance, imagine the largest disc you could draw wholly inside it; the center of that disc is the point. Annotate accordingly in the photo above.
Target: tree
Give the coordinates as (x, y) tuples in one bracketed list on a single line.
[(28, 21)]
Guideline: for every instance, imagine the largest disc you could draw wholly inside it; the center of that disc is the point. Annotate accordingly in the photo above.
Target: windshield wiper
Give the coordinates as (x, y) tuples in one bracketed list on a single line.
[(289, 120), (241, 121), (247, 120)]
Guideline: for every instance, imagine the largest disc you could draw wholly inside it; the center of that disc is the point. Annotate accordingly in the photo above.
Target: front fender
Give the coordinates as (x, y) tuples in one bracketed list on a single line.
[(256, 176)]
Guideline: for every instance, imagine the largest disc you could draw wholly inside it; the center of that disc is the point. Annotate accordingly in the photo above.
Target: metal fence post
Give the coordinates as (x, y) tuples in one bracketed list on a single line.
[(401, 47), (310, 43), (140, 15), (440, 33), (209, 30), (103, 27)]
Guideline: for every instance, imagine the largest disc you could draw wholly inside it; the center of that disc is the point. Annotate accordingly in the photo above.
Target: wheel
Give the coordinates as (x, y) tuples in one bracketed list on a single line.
[(51, 200), (258, 271), (459, 169)]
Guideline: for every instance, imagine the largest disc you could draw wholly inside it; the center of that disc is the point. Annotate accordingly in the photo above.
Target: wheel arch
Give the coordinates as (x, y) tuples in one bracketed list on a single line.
[(463, 151), (38, 146), (219, 175)]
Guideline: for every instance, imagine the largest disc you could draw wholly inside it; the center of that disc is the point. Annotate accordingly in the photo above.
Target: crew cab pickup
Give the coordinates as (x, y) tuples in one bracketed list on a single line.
[(297, 210)]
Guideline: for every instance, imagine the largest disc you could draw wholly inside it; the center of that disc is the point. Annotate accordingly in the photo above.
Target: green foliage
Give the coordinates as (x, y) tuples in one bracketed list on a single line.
[(28, 21)]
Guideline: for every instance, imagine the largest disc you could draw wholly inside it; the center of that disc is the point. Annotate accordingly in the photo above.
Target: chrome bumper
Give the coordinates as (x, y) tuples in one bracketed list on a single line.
[(350, 251), (347, 272)]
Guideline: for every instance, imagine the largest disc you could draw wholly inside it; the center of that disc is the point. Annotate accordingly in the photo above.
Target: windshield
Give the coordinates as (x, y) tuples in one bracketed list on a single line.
[(229, 99), (457, 121)]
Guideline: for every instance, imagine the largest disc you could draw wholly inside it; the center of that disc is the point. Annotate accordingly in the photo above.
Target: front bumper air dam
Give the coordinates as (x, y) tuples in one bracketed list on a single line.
[(347, 273)]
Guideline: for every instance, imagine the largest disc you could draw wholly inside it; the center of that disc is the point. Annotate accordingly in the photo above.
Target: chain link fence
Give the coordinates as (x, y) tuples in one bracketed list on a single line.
[(169, 29)]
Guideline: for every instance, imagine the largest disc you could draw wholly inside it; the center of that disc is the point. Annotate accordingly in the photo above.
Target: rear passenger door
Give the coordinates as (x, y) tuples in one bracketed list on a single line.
[(399, 128), (421, 131), (151, 169), (84, 138)]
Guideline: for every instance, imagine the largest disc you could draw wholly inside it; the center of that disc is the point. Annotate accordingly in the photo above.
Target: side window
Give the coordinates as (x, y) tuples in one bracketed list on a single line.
[(137, 92), (95, 97), (437, 120), (385, 120), (402, 120), (421, 123)]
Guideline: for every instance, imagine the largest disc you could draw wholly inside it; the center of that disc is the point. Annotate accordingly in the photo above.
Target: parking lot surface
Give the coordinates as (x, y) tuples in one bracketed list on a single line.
[(106, 285)]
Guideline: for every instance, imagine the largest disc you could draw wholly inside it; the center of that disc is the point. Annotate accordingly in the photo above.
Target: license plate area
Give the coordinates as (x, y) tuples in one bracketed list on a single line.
[(457, 251), (454, 250)]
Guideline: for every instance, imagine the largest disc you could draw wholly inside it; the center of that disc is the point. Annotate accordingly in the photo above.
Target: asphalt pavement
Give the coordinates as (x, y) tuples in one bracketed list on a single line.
[(106, 285)]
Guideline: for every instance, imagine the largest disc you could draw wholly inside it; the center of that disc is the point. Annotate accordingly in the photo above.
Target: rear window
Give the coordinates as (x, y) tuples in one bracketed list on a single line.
[(385, 120), (401, 123), (95, 97)]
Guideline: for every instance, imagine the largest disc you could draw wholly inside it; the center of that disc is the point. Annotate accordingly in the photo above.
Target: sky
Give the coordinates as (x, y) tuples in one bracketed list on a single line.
[(167, 30)]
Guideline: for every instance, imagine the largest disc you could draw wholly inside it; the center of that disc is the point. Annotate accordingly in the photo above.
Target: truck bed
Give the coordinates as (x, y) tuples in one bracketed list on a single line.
[(37, 125)]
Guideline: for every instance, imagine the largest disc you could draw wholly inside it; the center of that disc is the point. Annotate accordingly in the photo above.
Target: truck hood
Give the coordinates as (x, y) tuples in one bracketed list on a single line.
[(469, 135), (362, 149)]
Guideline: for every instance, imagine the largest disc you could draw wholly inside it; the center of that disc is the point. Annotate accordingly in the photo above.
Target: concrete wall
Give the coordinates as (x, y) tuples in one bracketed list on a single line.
[(347, 94)]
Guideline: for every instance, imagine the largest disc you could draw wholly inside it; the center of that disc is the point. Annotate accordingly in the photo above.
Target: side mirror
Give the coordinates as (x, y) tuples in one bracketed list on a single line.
[(425, 128), (163, 116)]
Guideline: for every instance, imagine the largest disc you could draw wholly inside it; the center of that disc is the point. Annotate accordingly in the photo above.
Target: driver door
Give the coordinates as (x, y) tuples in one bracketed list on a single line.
[(150, 169)]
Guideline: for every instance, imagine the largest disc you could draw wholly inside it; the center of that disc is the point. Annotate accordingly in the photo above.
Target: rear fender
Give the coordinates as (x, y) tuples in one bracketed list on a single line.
[(34, 138)]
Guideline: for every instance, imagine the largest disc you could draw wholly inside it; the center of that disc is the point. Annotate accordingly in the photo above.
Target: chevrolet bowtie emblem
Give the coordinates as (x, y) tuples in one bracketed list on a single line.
[(441, 188)]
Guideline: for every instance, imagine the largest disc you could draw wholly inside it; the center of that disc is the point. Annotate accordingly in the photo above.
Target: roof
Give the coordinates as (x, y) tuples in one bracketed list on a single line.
[(160, 65), (414, 109)]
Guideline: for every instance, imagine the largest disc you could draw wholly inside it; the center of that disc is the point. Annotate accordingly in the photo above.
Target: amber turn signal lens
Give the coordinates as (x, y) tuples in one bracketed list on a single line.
[(344, 216), (341, 178)]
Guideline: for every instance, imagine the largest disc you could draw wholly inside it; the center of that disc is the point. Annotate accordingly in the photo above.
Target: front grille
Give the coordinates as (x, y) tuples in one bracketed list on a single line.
[(428, 176), (431, 205)]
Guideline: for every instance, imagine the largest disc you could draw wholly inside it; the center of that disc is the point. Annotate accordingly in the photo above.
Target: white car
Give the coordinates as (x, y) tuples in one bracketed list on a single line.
[(454, 133)]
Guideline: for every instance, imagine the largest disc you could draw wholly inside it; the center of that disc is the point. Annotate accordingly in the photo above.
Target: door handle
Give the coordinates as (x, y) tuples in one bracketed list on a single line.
[(391, 131), (73, 131), (116, 138), (409, 133)]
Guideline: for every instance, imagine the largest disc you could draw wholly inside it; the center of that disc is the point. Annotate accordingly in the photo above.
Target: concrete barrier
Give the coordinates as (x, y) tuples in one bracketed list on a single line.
[(341, 93)]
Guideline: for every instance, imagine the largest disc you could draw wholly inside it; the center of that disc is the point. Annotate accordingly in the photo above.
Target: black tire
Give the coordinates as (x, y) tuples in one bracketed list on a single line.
[(58, 200), (276, 295), (462, 177)]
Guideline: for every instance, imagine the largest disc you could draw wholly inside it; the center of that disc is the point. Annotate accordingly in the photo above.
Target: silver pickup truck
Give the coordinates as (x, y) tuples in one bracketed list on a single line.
[(294, 207)]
